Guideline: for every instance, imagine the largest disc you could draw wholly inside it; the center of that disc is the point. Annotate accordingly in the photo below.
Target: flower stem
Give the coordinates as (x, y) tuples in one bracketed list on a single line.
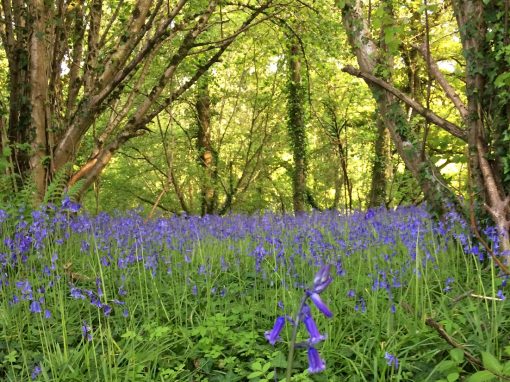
[(292, 344)]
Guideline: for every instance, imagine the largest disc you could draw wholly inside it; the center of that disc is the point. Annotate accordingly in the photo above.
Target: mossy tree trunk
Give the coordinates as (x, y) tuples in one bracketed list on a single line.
[(207, 155), (296, 125)]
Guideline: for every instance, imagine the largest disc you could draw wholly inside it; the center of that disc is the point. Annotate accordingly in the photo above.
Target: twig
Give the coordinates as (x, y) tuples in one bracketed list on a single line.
[(461, 297), (486, 297), (451, 341)]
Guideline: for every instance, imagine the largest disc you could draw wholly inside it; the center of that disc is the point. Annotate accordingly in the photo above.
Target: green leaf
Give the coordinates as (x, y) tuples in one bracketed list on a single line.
[(255, 374), (445, 366), (11, 357), (340, 3), (256, 365), (502, 80), (506, 369), (491, 363), (279, 360), (457, 355), (452, 377), (481, 376)]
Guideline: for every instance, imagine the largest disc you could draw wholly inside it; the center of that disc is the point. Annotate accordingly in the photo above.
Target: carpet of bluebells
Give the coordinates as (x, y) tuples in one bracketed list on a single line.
[(113, 297)]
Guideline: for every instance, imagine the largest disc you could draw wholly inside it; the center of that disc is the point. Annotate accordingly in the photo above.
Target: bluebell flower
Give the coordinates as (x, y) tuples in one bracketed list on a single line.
[(86, 331), (323, 308), (107, 309), (35, 307), (312, 329), (448, 283), (322, 279), (315, 363), (391, 360), (274, 335), (35, 372), (500, 295), (69, 205), (77, 293)]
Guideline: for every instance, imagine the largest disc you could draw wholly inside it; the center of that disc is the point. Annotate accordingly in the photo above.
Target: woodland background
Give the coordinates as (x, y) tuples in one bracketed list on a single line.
[(209, 107)]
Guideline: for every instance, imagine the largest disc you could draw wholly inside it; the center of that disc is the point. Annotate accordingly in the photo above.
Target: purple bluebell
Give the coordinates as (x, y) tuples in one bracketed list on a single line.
[(361, 306), (69, 205), (322, 279), (311, 327), (35, 307), (315, 363), (107, 309), (391, 360), (274, 335), (35, 372), (86, 331), (448, 283), (323, 308), (501, 295), (76, 293)]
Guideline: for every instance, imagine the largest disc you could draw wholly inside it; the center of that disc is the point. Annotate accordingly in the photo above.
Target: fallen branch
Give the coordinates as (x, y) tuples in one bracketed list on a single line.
[(451, 341)]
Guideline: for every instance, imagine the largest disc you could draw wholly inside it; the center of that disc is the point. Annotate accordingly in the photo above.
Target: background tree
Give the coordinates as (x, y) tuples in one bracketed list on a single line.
[(101, 71)]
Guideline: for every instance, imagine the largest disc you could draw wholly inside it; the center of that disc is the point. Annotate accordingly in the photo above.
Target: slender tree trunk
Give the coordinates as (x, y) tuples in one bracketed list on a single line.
[(432, 184), (485, 116), (15, 41), (296, 127), (377, 195), (207, 156), (39, 59)]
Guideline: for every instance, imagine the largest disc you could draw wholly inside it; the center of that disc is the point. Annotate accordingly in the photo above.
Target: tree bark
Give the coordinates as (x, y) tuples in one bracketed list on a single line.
[(296, 127), (207, 155), (483, 118), (377, 196), (431, 182), (39, 59)]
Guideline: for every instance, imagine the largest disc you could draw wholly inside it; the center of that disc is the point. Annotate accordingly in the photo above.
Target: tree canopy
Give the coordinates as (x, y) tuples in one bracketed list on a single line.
[(219, 106)]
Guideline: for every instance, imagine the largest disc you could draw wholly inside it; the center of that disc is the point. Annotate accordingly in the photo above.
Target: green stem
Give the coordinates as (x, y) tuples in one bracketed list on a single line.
[(292, 344)]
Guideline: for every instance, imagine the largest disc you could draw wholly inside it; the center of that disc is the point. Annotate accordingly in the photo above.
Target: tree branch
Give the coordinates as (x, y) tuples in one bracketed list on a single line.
[(445, 85), (428, 114)]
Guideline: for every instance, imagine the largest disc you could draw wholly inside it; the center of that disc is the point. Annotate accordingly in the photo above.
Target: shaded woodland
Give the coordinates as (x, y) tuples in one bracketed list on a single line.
[(212, 107)]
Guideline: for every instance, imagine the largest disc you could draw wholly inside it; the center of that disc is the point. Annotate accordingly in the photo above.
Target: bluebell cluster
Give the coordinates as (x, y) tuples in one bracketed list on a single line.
[(321, 281), (35, 242)]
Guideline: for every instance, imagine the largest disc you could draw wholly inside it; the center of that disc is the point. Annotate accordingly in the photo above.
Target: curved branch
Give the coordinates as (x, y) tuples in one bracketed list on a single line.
[(429, 115)]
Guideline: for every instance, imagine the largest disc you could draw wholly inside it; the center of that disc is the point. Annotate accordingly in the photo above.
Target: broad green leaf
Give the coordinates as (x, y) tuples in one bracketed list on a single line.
[(491, 363), (445, 365), (502, 80), (506, 369), (481, 376), (457, 355), (256, 366), (254, 375), (452, 377)]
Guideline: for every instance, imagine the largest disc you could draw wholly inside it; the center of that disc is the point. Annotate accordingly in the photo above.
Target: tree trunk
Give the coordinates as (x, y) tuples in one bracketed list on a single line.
[(377, 196), (431, 182), (39, 59), (207, 156), (487, 111), (15, 42), (51, 113), (296, 127)]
